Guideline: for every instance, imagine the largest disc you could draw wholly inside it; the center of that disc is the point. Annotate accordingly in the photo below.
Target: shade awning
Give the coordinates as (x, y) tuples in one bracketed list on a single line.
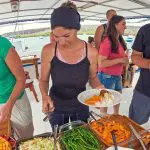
[(13, 11)]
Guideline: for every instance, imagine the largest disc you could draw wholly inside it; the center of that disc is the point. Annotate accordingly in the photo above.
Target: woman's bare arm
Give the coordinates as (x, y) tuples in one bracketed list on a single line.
[(103, 61), (45, 70), (46, 58), (93, 79), (15, 65)]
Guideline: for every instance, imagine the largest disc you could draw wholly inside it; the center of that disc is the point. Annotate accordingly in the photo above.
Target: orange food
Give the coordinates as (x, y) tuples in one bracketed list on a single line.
[(146, 139), (104, 132), (98, 98), (4, 144), (93, 100)]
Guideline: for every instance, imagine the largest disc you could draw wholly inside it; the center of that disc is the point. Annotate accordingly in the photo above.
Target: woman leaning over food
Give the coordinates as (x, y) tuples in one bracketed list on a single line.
[(71, 62), (112, 57)]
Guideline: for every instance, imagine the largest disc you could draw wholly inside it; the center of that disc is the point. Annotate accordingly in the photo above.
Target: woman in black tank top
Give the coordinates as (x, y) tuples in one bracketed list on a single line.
[(71, 64)]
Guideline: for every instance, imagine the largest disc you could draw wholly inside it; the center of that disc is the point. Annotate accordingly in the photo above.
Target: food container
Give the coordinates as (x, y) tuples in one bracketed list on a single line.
[(45, 135), (121, 131), (81, 136), (132, 141), (7, 143)]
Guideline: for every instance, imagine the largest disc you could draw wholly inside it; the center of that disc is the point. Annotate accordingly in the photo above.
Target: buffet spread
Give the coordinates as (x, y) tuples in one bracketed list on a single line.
[(77, 135), (94, 135)]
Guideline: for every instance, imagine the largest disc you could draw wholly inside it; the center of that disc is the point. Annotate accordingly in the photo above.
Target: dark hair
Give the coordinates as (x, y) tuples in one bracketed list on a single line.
[(112, 34), (69, 4), (90, 39)]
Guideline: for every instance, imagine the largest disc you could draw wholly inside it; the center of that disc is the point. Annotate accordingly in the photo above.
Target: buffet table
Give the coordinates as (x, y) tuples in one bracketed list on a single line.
[(77, 135), (74, 136)]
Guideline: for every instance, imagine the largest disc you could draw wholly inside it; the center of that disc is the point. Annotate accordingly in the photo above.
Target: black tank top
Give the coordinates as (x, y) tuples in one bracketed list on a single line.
[(68, 80)]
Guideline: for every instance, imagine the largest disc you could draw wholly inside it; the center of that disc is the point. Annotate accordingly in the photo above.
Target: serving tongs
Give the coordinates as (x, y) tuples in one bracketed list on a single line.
[(114, 139), (55, 136), (98, 115), (137, 135), (92, 116)]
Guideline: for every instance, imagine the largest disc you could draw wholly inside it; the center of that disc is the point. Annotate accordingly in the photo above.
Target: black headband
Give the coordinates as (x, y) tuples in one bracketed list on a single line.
[(65, 17)]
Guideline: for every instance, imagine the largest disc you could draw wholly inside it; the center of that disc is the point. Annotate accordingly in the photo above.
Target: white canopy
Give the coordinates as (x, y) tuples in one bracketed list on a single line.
[(12, 11)]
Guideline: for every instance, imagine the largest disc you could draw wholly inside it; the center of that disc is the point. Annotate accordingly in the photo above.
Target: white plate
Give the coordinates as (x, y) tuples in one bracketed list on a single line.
[(119, 148), (90, 93)]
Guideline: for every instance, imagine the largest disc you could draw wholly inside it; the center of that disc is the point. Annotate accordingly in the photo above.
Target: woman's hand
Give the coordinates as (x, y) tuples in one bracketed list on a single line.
[(48, 105), (100, 87), (5, 112)]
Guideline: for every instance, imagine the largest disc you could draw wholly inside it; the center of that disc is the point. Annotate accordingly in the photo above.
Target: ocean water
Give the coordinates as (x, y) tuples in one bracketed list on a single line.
[(33, 45)]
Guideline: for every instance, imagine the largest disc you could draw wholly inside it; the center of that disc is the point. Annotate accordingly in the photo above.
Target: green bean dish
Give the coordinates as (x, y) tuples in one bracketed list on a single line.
[(80, 138)]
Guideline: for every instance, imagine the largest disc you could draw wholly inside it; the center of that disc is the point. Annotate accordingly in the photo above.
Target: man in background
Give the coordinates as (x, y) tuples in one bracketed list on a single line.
[(101, 30), (140, 105)]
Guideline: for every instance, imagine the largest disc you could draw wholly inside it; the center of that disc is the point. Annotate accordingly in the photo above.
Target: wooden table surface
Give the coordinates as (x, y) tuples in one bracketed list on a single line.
[(31, 60)]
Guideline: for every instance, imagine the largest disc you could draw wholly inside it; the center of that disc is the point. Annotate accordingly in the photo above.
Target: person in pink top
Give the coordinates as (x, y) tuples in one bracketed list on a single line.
[(112, 57)]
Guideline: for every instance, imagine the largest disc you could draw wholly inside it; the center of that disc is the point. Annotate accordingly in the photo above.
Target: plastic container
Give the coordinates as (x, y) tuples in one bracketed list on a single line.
[(78, 135), (44, 135)]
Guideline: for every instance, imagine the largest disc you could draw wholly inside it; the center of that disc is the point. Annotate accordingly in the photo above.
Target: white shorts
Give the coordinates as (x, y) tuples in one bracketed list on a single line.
[(21, 118)]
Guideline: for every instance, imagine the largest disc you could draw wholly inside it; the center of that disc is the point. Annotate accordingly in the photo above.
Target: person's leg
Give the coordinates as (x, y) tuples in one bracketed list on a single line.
[(116, 109), (103, 110), (83, 115), (125, 76), (133, 70), (56, 118), (118, 87), (73, 117), (139, 110), (108, 82), (21, 118)]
